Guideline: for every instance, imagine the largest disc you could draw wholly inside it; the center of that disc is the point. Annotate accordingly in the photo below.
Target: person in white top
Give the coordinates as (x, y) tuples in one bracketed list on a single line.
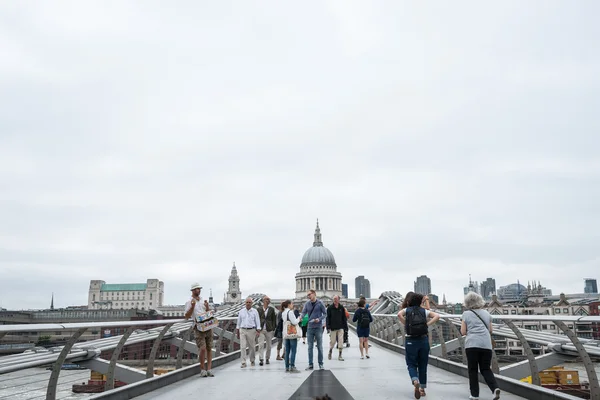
[(204, 340), (290, 344), (248, 328)]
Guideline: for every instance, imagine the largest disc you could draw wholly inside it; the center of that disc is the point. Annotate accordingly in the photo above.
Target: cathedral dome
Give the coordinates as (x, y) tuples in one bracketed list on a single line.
[(318, 254), (318, 271)]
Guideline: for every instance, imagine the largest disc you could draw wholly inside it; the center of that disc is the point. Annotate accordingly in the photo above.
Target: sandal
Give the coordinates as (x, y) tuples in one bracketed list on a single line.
[(422, 392), (417, 389)]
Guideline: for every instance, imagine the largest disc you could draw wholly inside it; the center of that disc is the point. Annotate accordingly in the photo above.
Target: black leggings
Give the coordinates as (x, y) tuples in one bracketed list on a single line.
[(304, 328), (480, 359)]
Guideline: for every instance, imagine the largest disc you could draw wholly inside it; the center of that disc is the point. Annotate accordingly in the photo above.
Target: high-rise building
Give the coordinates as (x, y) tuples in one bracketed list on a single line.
[(591, 286), (434, 298), (488, 288), (423, 285), (362, 287), (345, 290), (472, 286)]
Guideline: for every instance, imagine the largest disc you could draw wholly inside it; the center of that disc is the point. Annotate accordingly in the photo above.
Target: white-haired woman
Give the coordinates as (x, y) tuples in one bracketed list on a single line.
[(477, 326)]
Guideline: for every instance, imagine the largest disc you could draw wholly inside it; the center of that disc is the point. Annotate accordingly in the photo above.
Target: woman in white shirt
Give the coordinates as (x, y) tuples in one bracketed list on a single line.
[(291, 344)]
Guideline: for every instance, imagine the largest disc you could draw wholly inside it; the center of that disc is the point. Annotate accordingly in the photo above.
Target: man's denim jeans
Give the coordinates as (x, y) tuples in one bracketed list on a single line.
[(311, 334)]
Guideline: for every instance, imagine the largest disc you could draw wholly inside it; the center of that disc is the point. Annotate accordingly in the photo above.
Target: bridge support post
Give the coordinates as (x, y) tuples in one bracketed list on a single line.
[(220, 339), (52, 383), (185, 335), (110, 374), (585, 358), (461, 340), (535, 372), (161, 335), (440, 334)]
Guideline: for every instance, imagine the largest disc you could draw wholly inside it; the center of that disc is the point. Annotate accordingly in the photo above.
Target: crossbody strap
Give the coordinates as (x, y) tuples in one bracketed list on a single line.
[(481, 319)]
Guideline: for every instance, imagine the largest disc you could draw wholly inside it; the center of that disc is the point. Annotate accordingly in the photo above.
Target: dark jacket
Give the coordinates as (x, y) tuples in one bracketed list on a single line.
[(279, 329), (336, 317), (270, 318)]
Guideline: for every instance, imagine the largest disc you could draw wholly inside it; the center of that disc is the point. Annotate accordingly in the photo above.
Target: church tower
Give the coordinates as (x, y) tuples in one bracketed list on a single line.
[(234, 294)]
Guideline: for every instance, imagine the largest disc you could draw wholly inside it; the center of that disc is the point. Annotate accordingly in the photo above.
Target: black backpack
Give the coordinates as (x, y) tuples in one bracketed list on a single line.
[(416, 321), (365, 320)]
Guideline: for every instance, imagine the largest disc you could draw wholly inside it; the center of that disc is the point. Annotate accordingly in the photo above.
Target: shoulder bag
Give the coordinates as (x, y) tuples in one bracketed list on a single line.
[(290, 331)]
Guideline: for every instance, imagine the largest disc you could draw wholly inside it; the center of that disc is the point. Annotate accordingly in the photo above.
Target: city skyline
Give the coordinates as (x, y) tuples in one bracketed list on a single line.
[(450, 297), (138, 140)]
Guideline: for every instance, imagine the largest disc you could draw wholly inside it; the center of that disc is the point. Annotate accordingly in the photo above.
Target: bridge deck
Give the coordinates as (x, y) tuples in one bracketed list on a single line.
[(384, 376)]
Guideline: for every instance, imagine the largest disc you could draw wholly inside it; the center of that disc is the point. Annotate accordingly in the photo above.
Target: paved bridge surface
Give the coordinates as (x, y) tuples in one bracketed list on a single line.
[(383, 376)]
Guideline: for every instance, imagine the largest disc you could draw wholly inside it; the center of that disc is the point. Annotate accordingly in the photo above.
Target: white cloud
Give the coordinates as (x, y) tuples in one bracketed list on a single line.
[(149, 142)]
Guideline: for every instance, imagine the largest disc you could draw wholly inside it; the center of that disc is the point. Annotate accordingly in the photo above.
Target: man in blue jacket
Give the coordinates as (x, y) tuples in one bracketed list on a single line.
[(315, 309)]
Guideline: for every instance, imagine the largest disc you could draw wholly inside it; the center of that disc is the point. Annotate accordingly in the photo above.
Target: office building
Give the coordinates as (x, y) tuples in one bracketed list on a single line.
[(423, 285), (591, 286), (345, 290), (362, 287)]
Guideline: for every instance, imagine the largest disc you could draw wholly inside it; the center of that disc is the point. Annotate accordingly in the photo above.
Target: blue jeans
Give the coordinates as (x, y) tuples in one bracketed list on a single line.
[(417, 357), (290, 353), (311, 335)]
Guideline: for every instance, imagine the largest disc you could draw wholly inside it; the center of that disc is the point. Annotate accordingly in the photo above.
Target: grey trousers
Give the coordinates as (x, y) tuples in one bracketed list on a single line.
[(265, 342)]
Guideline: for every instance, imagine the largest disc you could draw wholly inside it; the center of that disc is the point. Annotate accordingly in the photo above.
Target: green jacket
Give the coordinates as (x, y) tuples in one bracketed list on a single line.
[(270, 318)]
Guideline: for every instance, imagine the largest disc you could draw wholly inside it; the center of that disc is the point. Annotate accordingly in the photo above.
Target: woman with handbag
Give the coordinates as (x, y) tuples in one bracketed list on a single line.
[(291, 334), (477, 326)]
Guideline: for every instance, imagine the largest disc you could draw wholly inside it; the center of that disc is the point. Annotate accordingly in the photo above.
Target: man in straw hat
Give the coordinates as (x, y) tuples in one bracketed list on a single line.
[(204, 340)]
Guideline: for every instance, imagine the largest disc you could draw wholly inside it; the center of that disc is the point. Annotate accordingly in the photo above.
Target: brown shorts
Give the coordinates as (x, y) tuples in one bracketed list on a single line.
[(204, 339)]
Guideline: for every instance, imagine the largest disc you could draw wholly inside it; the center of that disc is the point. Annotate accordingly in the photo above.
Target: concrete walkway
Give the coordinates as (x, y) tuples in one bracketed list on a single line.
[(383, 376)]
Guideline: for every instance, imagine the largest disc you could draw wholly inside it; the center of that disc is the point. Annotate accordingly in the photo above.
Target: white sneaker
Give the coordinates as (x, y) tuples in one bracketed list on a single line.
[(203, 374), (497, 394), (362, 357)]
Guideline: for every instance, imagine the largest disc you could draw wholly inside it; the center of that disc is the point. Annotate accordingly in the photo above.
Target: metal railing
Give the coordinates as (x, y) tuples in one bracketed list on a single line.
[(174, 331), (569, 344)]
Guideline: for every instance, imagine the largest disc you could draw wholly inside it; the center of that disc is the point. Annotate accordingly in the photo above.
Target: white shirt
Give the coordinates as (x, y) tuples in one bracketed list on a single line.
[(266, 310), (198, 308), (248, 319)]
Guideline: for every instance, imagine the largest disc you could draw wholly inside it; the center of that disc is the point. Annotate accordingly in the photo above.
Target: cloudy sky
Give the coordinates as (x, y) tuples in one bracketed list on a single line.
[(152, 140)]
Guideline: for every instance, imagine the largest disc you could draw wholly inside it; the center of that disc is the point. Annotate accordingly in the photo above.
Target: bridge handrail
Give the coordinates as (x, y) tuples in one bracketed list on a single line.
[(572, 318), (108, 324)]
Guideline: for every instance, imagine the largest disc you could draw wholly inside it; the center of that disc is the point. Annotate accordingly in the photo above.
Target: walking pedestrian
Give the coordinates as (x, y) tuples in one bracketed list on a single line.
[(363, 319), (291, 335), (316, 312), (268, 323), (204, 340), (417, 320), (477, 326), (304, 326), (248, 328), (336, 319), (279, 334)]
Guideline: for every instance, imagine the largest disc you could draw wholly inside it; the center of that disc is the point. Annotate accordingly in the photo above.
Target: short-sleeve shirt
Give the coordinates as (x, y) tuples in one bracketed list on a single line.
[(478, 335), (198, 308)]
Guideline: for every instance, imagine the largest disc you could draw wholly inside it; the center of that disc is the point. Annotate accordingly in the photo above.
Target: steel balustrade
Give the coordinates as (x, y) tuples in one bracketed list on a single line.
[(177, 331)]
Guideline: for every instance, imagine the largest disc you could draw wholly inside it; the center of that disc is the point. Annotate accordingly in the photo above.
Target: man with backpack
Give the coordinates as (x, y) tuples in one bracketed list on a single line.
[(417, 320), (336, 320), (315, 309)]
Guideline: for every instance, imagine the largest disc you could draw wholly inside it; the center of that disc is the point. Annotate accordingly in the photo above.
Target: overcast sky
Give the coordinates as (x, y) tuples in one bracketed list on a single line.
[(167, 140)]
